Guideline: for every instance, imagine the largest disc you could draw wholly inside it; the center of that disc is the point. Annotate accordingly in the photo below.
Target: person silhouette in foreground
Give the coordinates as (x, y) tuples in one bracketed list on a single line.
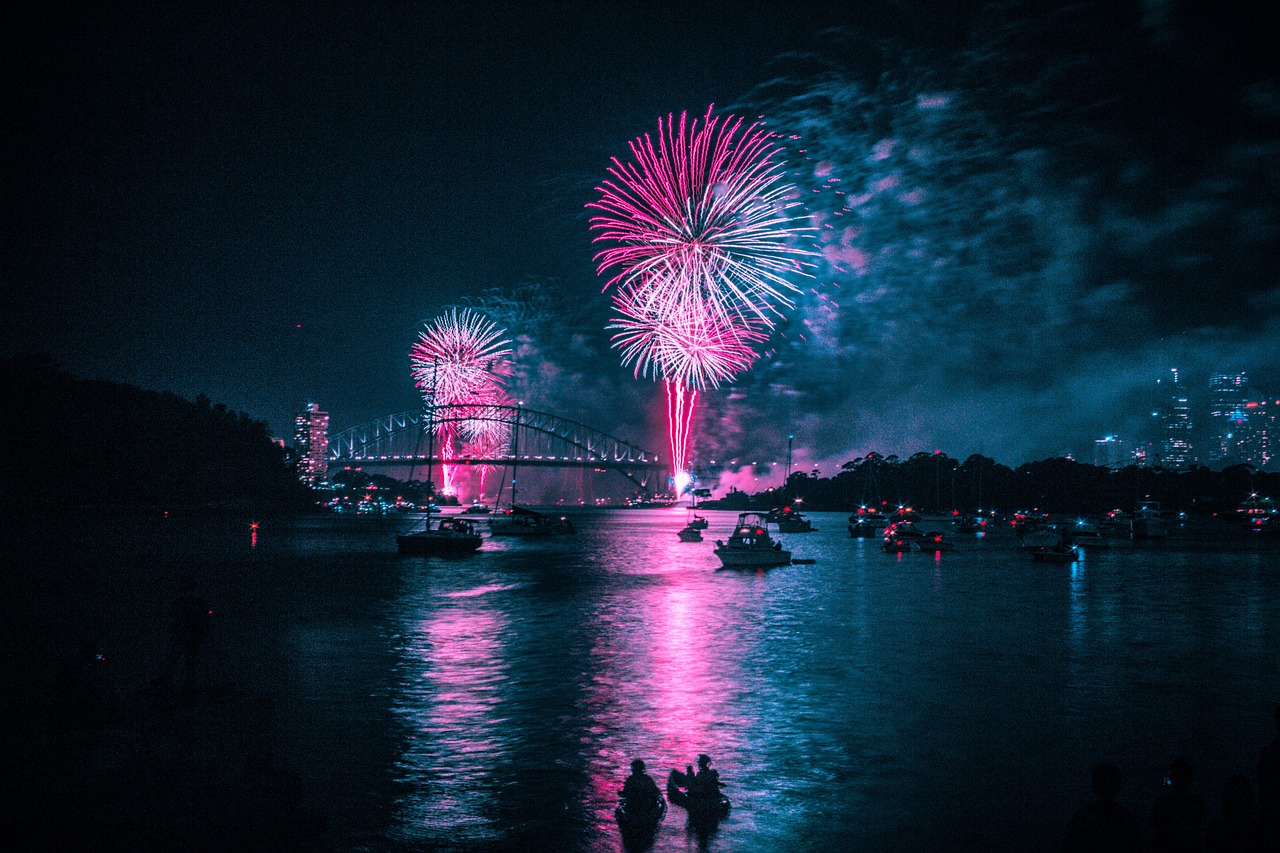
[(640, 791), (190, 620), (1104, 824), (705, 785), (1236, 831), (1178, 812), (1269, 790)]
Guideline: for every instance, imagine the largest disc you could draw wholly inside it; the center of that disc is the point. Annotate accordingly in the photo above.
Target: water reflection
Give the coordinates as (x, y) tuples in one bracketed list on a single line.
[(449, 698)]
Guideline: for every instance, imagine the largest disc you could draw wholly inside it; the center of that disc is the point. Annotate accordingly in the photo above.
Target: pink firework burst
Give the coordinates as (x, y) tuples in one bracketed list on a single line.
[(460, 359), (683, 340), (707, 206), (704, 235)]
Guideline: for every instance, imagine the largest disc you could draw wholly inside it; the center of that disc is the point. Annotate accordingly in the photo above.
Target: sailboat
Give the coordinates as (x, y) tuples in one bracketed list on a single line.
[(518, 520), (449, 535)]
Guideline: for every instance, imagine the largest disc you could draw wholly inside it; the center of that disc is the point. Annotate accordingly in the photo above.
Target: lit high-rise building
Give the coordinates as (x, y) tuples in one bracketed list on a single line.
[(311, 439), (1109, 452), (1228, 418), (1173, 422)]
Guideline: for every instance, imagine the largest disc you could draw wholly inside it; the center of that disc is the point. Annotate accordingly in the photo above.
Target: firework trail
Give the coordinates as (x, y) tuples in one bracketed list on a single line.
[(704, 234), (461, 359)]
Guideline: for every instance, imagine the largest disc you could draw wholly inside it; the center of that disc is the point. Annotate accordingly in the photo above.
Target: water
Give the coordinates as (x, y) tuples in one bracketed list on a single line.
[(867, 701)]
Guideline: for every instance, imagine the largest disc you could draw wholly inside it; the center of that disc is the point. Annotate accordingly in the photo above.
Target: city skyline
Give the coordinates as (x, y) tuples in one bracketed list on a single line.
[(1028, 210)]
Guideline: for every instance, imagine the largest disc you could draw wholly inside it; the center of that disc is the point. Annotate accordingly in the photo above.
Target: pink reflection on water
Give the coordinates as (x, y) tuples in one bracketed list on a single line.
[(451, 699)]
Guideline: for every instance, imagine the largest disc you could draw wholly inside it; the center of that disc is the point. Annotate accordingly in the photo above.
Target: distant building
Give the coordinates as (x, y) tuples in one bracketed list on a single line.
[(1258, 444), (1109, 452), (1228, 427), (311, 441), (1173, 424)]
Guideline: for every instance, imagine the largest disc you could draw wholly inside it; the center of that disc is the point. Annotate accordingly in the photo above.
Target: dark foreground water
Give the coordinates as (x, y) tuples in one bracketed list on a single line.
[(865, 702)]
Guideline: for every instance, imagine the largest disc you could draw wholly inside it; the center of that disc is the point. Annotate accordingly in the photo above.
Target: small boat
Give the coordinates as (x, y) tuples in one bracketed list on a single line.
[(1149, 521), (750, 545), (697, 522), (934, 542), (896, 545), (448, 536), (865, 528), (476, 509), (690, 533), (1060, 553), (519, 521), (638, 822), (789, 520), (711, 807)]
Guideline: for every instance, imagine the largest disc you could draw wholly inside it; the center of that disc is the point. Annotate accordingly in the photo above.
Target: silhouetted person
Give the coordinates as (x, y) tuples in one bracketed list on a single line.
[(641, 792), (1178, 813), (706, 783), (1236, 830), (189, 622), (1104, 825), (1269, 790)]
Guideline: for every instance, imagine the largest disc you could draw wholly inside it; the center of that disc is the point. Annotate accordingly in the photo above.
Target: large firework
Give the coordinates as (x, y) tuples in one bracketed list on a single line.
[(705, 235), (461, 359)]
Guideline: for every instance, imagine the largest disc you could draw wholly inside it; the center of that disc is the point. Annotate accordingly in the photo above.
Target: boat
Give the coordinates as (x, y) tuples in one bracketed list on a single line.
[(638, 822), (679, 793), (1060, 553), (697, 522), (789, 520), (1148, 521), (521, 521), (865, 528), (750, 545), (934, 542), (476, 509), (689, 533), (448, 536), (896, 545)]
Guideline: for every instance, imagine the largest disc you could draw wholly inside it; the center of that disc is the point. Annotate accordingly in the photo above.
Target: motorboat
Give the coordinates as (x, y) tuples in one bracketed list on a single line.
[(1149, 522), (520, 521), (1061, 553), (697, 522), (447, 536), (689, 533), (476, 509), (750, 545), (865, 528), (935, 542), (789, 520), (896, 545)]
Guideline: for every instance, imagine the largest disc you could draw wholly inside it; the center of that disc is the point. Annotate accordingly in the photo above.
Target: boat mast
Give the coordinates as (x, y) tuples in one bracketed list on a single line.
[(431, 439), (515, 454)]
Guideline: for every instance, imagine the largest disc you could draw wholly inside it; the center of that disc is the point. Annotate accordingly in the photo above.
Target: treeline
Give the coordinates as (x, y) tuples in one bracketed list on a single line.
[(77, 442), (936, 483)]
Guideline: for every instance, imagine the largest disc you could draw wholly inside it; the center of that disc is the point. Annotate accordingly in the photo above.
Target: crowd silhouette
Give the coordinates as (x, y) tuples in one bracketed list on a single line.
[(1248, 818)]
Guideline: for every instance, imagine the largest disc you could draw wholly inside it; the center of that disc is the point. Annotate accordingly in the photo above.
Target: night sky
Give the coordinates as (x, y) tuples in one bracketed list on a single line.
[(1029, 212)]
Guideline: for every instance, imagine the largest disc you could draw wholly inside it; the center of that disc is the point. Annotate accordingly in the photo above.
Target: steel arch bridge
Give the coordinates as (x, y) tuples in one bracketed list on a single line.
[(537, 439)]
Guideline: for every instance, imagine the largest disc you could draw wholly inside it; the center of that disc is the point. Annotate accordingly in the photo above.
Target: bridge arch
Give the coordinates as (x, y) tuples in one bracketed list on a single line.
[(540, 439)]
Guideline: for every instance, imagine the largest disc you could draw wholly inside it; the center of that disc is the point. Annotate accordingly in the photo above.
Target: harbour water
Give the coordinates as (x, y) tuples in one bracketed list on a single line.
[(865, 701)]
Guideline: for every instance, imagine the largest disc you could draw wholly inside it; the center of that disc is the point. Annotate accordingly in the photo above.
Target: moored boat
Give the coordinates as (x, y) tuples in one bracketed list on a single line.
[(1149, 521), (789, 520), (690, 533), (519, 521), (448, 536), (1060, 553), (750, 545), (935, 542)]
